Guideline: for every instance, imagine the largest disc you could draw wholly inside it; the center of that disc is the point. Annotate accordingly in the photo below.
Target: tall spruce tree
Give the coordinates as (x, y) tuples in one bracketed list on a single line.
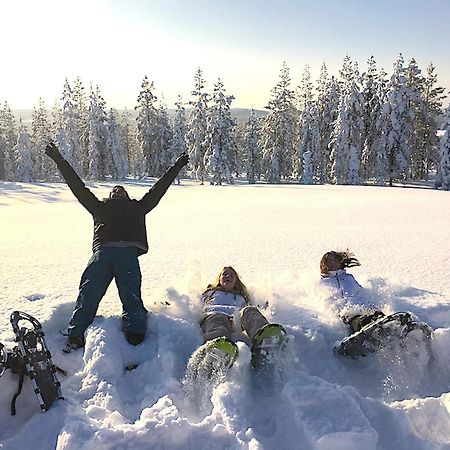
[(347, 137), (147, 126), (179, 131), (98, 155), (377, 153), (163, 139), (114, 148), (40, 137), (328, 95), (23, 157), (372, 110), (432, 96), (81, 117), (443, 172), (69, 124), (197, 124), (128, 135), (251, 148), (398, 150), (308, 139), (415, 87), (278, 130), (8, 140), (221, 149)]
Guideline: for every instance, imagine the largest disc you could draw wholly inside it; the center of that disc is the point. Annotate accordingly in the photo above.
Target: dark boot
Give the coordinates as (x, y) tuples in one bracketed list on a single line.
[(133, 337)]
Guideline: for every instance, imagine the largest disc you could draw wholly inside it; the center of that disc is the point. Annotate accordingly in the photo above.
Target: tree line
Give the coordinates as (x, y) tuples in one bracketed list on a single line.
[(352, 128)]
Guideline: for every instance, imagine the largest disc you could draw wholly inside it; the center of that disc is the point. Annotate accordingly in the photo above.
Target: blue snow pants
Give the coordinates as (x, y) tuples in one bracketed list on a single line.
[(120, 263)]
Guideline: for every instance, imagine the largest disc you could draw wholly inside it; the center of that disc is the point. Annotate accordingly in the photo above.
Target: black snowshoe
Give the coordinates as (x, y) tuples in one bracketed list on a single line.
[(32, 358), (378, 334)]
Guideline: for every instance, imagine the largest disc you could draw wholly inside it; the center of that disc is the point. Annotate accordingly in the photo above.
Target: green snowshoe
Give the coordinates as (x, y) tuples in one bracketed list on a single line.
[(268, 342), (221, 353), (212, 359)]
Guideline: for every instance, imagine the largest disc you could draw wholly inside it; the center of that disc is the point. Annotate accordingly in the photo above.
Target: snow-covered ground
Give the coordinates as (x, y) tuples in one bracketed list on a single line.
[(274, 236)]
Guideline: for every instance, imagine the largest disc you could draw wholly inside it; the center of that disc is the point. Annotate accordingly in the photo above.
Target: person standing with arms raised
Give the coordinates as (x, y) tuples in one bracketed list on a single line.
[(120, 237)]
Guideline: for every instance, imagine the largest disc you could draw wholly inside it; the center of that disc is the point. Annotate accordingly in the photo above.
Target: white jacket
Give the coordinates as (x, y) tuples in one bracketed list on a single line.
[(345, 294), (216, 301)]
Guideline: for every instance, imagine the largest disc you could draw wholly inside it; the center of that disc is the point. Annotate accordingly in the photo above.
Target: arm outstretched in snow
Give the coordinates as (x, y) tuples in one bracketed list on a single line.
[(81, 192)]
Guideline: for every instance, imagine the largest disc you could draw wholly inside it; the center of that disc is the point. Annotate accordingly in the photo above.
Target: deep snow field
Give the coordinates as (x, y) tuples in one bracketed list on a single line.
[(274, 235)]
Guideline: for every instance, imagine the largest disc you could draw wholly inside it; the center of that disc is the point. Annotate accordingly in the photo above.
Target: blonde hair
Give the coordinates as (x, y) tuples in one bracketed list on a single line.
[(346, 260), (239, 286)]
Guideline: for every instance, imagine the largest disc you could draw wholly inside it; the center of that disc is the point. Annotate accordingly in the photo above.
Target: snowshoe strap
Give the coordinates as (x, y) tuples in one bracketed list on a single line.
[(19, 391), (61, 371)]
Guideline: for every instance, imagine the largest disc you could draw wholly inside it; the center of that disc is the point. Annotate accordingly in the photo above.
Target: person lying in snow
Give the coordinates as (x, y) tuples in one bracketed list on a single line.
[(226, 307), (369, 327), (120, 237), (346, 294)]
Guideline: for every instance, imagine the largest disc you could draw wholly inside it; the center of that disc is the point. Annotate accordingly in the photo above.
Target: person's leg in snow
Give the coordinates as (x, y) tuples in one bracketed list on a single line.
[(216, 325), (252, 321), (93, 285), (267, 339), (127, 274)]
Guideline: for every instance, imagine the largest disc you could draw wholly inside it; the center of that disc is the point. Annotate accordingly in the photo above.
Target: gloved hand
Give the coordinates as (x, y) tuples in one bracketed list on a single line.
[(182, 160), (52, 151)]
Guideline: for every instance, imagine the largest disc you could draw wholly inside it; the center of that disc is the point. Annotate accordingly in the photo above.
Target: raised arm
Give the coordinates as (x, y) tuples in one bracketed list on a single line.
[(154, 195), (81, 192)]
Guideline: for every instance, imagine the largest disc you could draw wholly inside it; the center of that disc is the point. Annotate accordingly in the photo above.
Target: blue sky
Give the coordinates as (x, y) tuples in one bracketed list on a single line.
[(114, 43)]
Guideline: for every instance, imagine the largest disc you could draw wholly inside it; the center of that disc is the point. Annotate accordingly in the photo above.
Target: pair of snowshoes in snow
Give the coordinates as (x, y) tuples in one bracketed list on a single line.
[(31, 357), (380, 333), (215, 357)]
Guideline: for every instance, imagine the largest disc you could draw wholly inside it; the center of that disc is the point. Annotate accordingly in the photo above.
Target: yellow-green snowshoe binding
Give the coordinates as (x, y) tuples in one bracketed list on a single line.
[(221, 352), (269, 341)]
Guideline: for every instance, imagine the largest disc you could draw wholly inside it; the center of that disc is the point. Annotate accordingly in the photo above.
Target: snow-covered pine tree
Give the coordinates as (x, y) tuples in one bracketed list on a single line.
[(163, 139), (428, 151), (69, 124), (197, 123), (251, 148), (128, 135), (80, 109), (443, 175), (372, 107), (2, 149), (309, 142), (40, 137), (308, 131), (221, 149), (278, 130), (114, 147), (305, 90), (98, 156), (2, 156), (60, 136), (347, 136), (147, 124), (9, 138), (381, 131), (328, 94), (398, 150), (179, 131), (24, 161), (415, 87)]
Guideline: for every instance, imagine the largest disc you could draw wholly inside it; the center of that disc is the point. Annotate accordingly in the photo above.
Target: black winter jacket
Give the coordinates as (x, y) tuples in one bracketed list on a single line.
[(117, 220)]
